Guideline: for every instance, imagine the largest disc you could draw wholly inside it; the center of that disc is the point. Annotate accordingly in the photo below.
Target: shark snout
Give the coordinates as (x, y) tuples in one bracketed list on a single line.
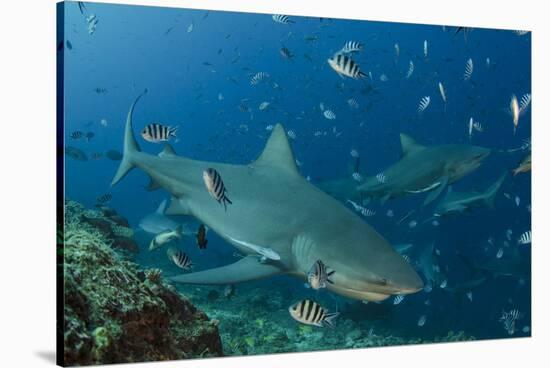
[(407, 281)]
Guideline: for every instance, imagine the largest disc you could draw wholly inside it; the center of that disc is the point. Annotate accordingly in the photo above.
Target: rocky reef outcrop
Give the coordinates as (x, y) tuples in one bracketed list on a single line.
[(114, 312)]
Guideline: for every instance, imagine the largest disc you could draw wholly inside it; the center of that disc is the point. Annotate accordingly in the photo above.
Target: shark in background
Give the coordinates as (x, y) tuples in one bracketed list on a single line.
[(428, 265), (157, 222), (460, 202), (512, 264), (277, 211), (421, 169)]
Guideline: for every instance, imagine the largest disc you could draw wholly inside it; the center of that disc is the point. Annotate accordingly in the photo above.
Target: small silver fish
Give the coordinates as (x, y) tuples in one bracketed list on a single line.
[(329, 114), (357, 176), (421, 320), (165, 237)]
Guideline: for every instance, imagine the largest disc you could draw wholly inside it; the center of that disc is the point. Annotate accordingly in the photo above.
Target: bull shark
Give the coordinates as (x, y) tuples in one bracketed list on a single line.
[(421, 169), (275, 209), (459, 202)]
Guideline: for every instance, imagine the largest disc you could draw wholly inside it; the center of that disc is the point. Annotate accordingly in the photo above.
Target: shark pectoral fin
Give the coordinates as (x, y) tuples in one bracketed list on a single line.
[(161, 208), (436, 192), (247, 269), (177, 207)]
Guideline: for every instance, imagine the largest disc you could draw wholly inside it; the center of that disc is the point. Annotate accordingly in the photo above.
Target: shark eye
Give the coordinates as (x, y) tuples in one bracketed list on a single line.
[(381, 281)]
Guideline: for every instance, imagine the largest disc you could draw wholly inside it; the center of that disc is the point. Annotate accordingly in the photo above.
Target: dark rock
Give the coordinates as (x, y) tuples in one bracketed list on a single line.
[(101, 224), (212, 295), (125, 243), (119, 220)]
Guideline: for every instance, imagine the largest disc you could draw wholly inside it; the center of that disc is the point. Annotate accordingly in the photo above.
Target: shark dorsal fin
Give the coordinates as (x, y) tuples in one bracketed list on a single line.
[(161, 208), (167, 151), (277, 152), (409, 145)]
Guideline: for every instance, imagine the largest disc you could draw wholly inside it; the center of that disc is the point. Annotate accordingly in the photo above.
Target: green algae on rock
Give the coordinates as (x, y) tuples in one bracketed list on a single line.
[(116, 313)]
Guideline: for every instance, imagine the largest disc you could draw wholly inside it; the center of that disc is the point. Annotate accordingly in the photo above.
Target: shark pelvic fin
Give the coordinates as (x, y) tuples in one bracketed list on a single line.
[(246, 269), (277, 152), (167, 151), (177, 207), (153, 185), (130, 145), (409, 145), (437, 191), (161, 208)]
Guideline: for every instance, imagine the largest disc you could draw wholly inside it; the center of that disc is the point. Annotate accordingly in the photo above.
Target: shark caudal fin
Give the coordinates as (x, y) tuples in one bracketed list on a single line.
[(130, 145), (491, 192)]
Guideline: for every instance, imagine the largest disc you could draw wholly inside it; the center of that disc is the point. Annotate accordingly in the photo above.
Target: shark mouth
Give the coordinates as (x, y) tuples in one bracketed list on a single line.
[(427, 189), (268, 253)]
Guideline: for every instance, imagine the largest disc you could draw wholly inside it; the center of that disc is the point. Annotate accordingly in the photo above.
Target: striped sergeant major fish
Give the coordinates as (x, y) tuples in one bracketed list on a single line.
[(319, 275), (351, 46), (180, 259), (280, 18), (105, 198), (156, 133), (258, 78), (215, 186), (525, 238), (345, 66), (310, 313)]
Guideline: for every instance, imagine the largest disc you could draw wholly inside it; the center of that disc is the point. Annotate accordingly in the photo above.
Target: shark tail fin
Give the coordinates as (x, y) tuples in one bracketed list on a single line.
[(492, 191), (130, 146)]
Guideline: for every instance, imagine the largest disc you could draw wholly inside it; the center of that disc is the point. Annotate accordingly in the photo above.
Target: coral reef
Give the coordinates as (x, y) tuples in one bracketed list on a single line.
[(256, 321), (106, 220), (116, 313)]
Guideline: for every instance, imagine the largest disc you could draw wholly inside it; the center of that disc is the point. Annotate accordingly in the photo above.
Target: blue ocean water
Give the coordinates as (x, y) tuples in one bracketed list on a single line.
[(197, 66)]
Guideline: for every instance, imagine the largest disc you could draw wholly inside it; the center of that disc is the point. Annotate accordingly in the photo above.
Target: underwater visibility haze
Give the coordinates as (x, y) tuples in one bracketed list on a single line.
[(254, 183)]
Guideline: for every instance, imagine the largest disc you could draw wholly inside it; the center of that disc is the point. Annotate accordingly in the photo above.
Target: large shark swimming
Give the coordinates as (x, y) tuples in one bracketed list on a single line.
[(278, 219), (420, 169)]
